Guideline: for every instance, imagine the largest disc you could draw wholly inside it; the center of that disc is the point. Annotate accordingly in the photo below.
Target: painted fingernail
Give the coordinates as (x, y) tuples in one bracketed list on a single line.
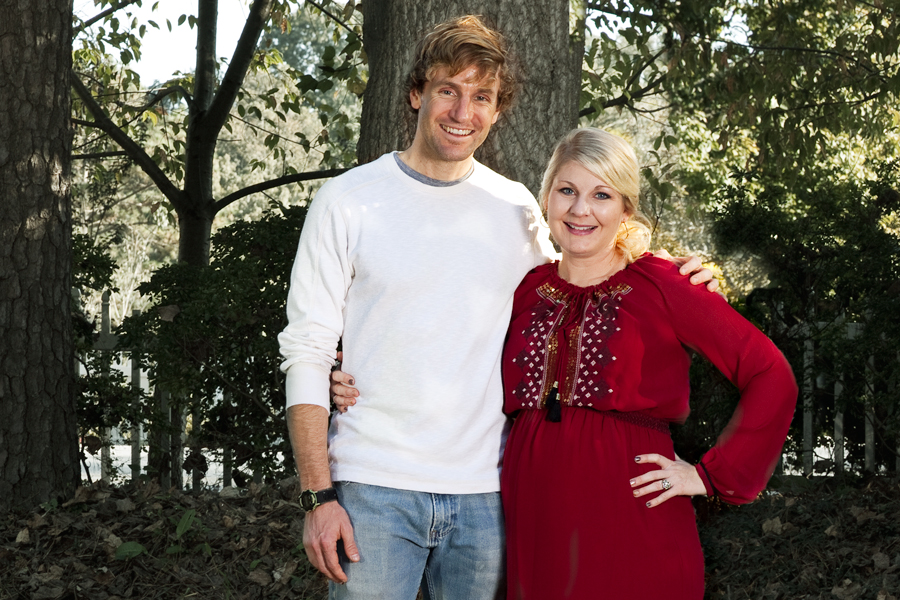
[(648, 505), (352, 381), (631, 482), (637, 459), (635, 492)]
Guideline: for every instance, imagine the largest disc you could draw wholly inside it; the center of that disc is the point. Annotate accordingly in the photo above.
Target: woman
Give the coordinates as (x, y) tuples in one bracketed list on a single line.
[(595, 368)]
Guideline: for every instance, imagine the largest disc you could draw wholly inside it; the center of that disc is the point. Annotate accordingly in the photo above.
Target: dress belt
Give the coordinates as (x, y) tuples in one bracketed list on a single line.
[(638, 418)]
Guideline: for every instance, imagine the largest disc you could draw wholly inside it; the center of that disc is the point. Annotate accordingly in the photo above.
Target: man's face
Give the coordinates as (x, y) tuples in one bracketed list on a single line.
[(455, 115)]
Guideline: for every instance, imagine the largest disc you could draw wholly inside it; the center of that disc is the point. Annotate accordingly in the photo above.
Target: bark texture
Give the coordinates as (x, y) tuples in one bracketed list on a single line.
[(38, 435), (539, 33)]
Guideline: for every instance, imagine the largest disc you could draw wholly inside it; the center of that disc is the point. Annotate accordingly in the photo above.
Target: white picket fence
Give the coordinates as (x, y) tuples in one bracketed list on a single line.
[(221, 473), (814, 380), (115, 447)]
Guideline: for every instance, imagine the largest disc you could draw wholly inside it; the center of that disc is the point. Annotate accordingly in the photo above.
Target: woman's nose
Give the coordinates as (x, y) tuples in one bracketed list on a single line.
[(580, 207)]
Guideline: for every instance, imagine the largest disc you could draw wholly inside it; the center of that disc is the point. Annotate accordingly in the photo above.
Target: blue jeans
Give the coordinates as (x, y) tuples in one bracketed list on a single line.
[(450, 545)]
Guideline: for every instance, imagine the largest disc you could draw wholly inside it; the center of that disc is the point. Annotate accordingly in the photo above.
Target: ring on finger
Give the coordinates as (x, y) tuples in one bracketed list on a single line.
[(666, 484)]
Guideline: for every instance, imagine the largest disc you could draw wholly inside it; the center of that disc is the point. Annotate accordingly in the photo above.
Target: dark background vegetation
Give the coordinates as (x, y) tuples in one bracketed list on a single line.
[(769, 131)]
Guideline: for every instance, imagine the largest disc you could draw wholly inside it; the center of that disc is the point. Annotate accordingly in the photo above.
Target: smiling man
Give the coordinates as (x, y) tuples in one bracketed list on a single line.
[(412, 260)]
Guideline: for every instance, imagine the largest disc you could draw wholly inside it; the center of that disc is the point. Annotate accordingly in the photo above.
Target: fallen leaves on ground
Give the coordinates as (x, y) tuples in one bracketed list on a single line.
[(825, 539), (110, 543)]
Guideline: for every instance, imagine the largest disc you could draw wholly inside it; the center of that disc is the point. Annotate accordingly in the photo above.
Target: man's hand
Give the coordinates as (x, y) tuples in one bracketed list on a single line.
[(322, 529), (694, 266), (343, 394)]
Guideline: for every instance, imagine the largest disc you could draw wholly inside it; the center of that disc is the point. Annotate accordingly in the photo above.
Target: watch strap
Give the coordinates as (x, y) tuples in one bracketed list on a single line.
[(311, 499)]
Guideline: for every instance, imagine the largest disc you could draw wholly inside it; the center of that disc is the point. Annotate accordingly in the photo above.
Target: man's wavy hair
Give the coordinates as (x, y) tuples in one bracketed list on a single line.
[(462, 43)]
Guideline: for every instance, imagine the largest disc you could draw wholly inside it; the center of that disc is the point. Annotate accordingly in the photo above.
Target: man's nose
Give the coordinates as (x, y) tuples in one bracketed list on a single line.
[(462, 109)]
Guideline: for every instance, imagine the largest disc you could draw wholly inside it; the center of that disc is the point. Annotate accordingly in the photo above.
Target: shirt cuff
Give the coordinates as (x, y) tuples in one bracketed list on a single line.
[(307, 384), (711, 491)]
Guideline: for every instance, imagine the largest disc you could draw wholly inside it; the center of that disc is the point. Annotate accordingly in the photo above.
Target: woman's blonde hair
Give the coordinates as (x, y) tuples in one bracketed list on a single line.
[(612, 159)]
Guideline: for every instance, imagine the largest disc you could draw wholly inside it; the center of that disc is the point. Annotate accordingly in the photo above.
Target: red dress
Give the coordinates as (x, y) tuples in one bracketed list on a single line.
[(616, 358)]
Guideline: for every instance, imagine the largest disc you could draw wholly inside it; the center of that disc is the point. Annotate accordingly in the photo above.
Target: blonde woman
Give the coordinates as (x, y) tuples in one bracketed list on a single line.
[(595, 368)]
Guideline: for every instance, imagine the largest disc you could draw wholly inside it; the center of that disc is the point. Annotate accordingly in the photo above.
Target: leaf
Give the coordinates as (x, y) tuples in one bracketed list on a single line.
[(348, 9), (168, 313), (129, 550), (772, 526), (356, 86), (187, 519), (260, 577)]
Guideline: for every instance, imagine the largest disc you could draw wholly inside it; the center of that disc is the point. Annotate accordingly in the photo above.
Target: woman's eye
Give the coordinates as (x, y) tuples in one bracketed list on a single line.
[(601, 196), (567, 191)]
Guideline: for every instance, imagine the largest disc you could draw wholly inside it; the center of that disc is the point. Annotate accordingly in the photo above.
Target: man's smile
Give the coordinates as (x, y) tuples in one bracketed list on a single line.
[(456, 131)]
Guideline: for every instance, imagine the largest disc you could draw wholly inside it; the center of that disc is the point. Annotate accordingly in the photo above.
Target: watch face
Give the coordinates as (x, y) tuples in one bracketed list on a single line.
[(308, 500)]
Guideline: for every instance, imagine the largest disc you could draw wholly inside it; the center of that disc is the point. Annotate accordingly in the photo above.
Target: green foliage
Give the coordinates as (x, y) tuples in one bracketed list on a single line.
[(831, 247), (129, 550), (92, 267), (185, 523), (210, 337), (748, 84), (326, 67)]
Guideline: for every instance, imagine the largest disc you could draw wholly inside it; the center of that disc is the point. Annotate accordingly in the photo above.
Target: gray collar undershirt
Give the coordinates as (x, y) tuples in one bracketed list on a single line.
[(428, 180)]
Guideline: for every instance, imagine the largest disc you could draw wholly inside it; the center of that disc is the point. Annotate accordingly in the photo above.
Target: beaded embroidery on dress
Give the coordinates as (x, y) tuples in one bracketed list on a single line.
[(565, 317)]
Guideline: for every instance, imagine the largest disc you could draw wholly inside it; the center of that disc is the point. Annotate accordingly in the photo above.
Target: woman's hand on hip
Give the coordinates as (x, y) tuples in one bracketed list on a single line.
[(674, 478), (342, 389)]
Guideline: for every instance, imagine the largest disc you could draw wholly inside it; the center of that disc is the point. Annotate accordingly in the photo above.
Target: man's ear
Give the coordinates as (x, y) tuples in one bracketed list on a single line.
[(415, 99)]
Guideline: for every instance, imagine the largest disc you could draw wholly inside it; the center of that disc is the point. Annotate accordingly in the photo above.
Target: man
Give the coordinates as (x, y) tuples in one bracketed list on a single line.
[(412, 261)]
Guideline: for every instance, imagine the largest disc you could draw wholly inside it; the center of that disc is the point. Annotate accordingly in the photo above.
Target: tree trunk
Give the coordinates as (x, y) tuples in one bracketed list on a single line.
[(539, 33), (38, 435)]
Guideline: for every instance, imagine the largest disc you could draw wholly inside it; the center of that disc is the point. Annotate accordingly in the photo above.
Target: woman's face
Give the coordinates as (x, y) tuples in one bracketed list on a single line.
[(584, 213)]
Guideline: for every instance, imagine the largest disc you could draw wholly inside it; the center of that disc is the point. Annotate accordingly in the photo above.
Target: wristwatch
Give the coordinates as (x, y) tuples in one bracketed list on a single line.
[(310, 500)]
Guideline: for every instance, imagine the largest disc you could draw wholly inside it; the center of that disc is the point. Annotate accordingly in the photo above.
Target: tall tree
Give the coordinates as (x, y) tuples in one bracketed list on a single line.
[(548, 39), (38, 442), (182, 165)]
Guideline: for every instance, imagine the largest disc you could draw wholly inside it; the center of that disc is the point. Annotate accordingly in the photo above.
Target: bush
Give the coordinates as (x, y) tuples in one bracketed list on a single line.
[(209, 338)]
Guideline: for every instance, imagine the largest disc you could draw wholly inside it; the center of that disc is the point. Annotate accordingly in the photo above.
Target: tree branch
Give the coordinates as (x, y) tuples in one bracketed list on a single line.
[(622, 14), (85, 24), (159, 95), (273, 183), (331, 16), (136, 152), (802, 50), (637, 74), (624, 100), (260, 13), (99, 155)]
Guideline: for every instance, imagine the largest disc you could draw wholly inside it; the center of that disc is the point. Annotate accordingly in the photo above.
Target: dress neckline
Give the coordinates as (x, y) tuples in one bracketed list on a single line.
[(571, 289)]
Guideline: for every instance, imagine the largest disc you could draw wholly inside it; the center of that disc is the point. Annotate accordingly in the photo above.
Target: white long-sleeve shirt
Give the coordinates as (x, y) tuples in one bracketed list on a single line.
[(418, 281)]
